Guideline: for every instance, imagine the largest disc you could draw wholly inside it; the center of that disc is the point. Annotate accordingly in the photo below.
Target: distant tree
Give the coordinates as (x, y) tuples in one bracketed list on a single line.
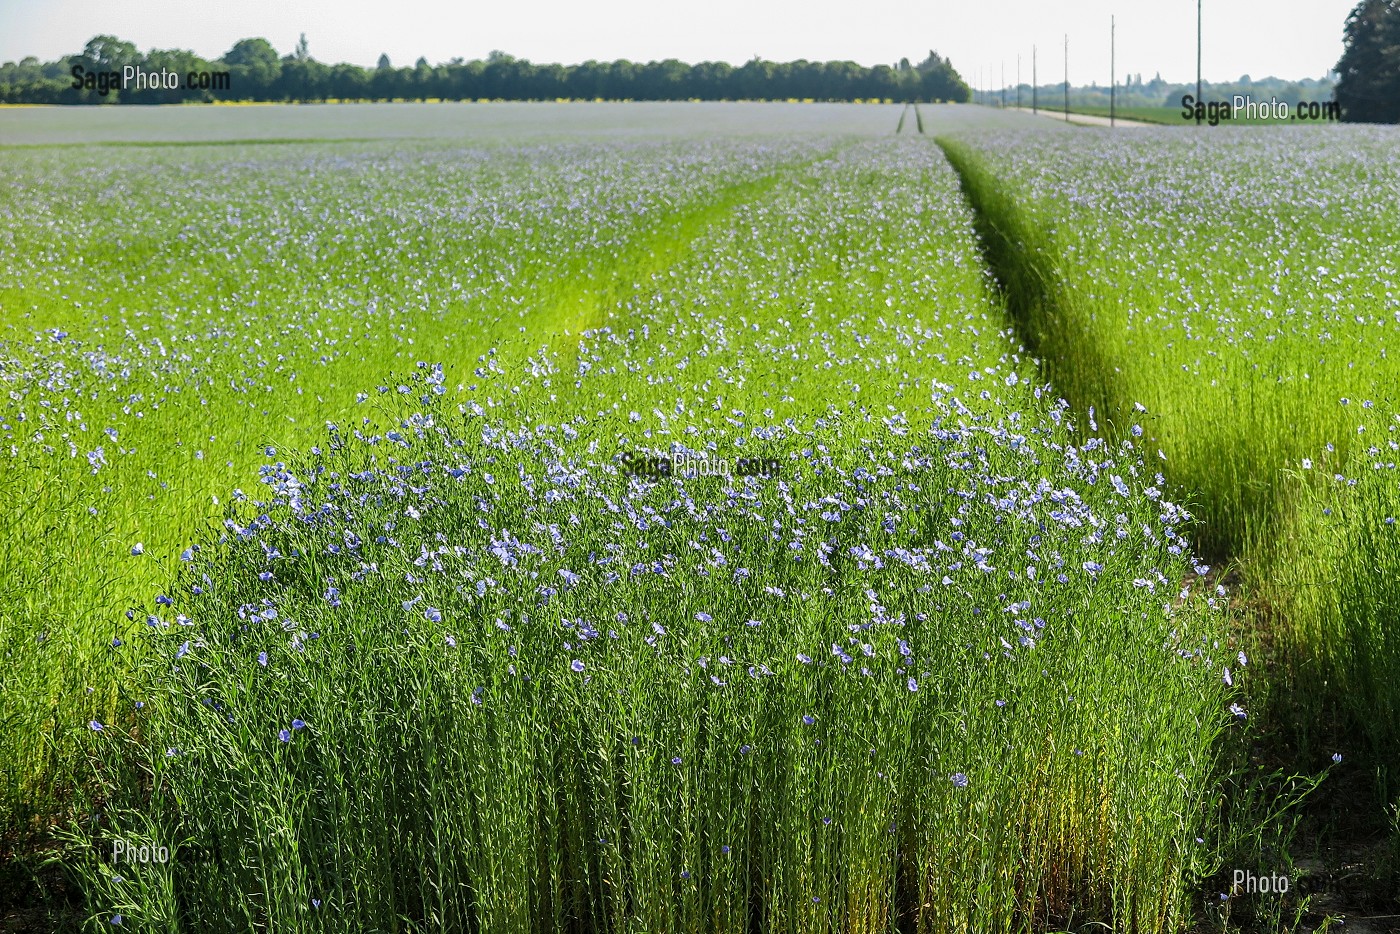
[(302, 52), (384, 83), (940, 81), (881, 83), (253, 53), (108, 53), (621, 81), (589, 80), (423, 83), (254, 69), (1368, 88), (305, 79), (668, 80), (32, 82), (179, 61), (711, 80), (384, 62), (754, 79), (816, 80), (347, 82), (464, 81), (102, 55)]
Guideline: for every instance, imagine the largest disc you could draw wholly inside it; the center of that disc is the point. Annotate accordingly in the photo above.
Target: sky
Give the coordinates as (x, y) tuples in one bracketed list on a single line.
[(1286, 38)]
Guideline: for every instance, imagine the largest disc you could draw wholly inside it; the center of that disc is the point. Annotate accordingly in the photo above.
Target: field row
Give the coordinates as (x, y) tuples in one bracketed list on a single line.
[(1242, 286), (447, 663), (1239, 287)]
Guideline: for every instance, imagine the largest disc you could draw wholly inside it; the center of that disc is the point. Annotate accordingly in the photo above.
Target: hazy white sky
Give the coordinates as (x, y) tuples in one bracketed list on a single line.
[(1288, 38)]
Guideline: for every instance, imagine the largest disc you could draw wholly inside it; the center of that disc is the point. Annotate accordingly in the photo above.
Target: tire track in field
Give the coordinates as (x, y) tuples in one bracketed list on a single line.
[(1030, 285), (597, 297), (1070, 356), (1038, 298)]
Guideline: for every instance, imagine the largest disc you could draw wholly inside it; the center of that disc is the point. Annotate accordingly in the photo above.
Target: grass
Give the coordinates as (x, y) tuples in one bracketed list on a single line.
[(1230, 282), (1242, 353), (326, 573), (808, 749), (985, 595), (1335, 582), (171, 438)]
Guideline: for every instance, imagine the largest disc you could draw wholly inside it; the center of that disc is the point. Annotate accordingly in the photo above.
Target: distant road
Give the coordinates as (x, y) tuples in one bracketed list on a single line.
[(1086, 119)]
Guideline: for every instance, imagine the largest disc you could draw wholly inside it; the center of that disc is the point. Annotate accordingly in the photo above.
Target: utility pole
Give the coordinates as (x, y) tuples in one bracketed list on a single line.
[(1035, 87), (1018, 80), (1003, 85), (1198, 61), (1066, 77), (1112, 72)]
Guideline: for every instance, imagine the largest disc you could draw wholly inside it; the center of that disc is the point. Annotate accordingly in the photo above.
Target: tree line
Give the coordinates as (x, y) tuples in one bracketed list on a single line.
[(1368, 86), (1136, 92), (253, 71)]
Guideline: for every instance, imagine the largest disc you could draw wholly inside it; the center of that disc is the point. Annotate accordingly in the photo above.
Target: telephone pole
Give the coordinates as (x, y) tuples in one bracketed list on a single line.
[(1198, 60), (1112, 72), (1066, 77), (1035, 88), (1003, 85), (1018, 80)]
